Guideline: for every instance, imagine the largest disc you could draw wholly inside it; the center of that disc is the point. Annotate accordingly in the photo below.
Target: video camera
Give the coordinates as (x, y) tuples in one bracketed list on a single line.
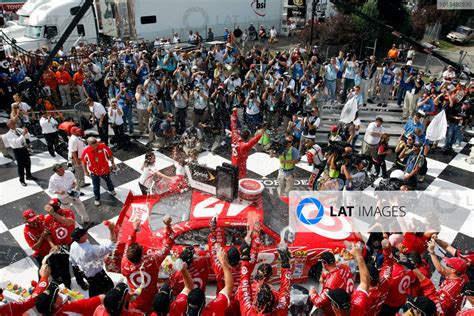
[(278, 144)]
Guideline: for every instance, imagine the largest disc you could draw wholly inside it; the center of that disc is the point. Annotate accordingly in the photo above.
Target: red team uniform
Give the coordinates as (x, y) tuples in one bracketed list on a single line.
[(240, 148), (61, 234), (282, 298), (85, 307), (146, 271), (447, 297), (402, 279), (340, 278), (378, 293), (33, 234), (359, 303)]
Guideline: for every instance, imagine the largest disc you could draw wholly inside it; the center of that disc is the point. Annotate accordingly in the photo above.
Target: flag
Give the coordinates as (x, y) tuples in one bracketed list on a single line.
[(438, 127), (349, 111)]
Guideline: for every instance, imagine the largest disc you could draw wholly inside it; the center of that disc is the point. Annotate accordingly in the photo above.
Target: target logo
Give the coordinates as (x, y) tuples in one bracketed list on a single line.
[(198, 283), (350, 286), (142, 279), (43, 284), (404, 284), (61, 232), (244, 270)]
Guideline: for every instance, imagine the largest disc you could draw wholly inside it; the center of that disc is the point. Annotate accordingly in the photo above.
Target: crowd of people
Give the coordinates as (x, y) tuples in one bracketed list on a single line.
[(394, 275), (223, 97)]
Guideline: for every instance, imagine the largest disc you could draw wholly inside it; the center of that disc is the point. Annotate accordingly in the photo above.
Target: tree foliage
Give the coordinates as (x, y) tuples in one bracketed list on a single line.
[(368, 29)]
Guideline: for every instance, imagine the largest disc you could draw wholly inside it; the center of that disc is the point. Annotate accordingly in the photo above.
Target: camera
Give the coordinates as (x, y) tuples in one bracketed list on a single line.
[(278, 144)]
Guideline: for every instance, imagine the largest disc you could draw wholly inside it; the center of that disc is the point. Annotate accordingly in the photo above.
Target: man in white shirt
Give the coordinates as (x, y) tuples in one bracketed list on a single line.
[(90, 259), (17, 139), (62, 184), (232, 82), (448, 75), (49, 128), (116, 119), (24, 108), (199, 97), (372, 138), (75, 148), (100, 117)]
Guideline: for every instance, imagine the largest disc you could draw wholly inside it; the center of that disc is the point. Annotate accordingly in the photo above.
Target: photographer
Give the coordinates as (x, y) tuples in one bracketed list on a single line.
[(288, 159), (199, 98), (125, 100), (253, 116), (192, 139), (165, 132), (316, 159), (310, 124), (355, 174), (116, 119), (272, 101), (180, 98)]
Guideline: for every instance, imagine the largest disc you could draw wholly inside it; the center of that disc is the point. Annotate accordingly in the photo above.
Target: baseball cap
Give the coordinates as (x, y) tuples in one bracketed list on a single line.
[(29, 215), (339, 298), (327, 257), (76, 129), (54, 202), (162, 300), (423, 305), (333, 128), (456, 263), (77, 233), (45, 301), (115, 299), (196, 300), (57, 166)]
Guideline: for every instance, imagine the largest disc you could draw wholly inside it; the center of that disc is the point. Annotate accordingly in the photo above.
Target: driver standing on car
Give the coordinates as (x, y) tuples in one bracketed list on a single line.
[(241, 145), (141, 266)]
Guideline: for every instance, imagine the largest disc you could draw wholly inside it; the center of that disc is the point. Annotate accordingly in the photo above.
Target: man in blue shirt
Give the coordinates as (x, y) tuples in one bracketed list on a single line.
[(426, 103), (386, 82), (411, 125)]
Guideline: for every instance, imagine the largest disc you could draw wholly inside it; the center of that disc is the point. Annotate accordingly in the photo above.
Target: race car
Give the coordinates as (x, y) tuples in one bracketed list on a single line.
[(191, 212)]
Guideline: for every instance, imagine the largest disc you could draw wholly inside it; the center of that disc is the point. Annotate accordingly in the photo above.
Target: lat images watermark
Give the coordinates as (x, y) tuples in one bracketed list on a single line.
[(455, 4)]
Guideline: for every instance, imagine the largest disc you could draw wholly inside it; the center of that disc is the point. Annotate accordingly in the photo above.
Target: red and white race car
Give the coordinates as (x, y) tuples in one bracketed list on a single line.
[(192, 211)]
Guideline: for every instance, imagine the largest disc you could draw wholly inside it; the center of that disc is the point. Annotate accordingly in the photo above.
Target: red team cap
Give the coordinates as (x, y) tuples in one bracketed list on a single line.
[(456, 263), (54, 202), (76, 129), (29, 215)]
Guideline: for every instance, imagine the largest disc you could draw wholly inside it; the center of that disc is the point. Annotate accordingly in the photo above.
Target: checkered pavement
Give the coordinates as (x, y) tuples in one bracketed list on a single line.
[(444, 171)]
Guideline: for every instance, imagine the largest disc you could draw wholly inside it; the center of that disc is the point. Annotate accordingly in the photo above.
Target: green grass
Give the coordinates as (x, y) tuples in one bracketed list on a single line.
[(445, 45)]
